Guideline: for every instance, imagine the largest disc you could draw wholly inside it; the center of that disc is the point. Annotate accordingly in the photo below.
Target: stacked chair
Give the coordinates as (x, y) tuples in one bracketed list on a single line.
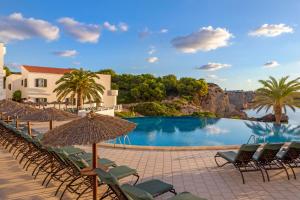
[(254, 157), (64, 166)]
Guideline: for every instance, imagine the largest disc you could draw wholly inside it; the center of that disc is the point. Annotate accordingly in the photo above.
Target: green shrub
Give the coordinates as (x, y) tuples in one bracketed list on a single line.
[(125, 114), (17, 96), (151, 109), (204, 114)]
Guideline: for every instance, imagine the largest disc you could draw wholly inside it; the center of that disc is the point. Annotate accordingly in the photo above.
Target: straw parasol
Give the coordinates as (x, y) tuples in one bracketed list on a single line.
[(91, 129), (49, 114), (20, 111), (8, 106)]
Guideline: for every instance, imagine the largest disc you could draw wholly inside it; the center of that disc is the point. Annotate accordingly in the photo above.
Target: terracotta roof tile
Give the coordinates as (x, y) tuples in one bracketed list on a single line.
[(50, 70)]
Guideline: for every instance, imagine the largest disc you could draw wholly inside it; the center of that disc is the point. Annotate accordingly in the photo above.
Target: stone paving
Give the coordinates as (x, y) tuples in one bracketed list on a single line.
[(194, 171)]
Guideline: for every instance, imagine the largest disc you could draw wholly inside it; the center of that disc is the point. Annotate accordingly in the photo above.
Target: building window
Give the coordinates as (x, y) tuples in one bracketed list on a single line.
[(9, 86), (71, 101), (25, 82), (22, 82), (41, 100), (40, 82)]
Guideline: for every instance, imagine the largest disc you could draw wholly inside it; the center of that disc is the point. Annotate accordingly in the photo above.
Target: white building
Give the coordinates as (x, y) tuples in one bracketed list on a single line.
[(37, 84)]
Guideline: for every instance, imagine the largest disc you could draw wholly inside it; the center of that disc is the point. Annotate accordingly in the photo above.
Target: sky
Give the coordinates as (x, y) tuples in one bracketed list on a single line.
[(232, 43)]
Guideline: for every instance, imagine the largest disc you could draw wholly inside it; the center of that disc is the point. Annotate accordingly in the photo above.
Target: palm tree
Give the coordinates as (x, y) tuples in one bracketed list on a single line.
[(79, 83), (278, 95)]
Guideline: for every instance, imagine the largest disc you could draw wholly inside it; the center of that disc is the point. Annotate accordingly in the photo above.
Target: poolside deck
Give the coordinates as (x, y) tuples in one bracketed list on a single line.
[(194, 171)]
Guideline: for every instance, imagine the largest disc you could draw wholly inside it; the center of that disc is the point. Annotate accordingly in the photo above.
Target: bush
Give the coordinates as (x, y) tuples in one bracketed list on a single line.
[(17, 96), (125, 114), (151, 109), (157, 109), (204, 114)]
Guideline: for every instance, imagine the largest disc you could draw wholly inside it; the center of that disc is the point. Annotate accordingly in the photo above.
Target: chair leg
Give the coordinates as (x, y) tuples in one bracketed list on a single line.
[(242, 176), (218, 163), (138, 177), (262, 174)]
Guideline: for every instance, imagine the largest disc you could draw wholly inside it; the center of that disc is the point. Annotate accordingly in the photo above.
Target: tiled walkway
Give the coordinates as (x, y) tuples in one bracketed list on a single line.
[(196, 172), (193, 171), (15, 183)]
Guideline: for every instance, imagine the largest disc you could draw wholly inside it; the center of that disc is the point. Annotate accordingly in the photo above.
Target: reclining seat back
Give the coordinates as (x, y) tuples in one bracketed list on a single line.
[(293, 151), (246, 152), (269, 151)]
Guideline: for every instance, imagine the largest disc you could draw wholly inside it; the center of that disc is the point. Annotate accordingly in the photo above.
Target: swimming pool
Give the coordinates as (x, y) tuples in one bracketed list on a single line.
[(195, 131)]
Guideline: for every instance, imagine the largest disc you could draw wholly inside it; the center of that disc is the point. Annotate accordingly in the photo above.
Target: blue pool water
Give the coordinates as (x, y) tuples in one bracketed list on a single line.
[(194, 131)]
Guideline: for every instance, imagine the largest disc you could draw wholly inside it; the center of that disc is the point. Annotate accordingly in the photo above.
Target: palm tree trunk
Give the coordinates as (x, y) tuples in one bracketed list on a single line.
[(79, 100), (278, 113)]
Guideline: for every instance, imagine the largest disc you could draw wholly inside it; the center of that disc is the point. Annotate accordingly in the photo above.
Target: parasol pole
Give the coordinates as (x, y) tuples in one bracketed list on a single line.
[(17, 122), (51, 124), (95, 181), (29, 128)]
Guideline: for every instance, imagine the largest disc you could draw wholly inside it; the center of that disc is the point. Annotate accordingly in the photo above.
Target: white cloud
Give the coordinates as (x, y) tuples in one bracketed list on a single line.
[(123, 27), (152, 59), (16, 27), (213, 66), (271, 64), (249, 81), (76, 63), (14, 66), (152, 50), (110, 27), (145, 33), (214, 130), (271, 30), (215, 77), (66, 53), (206, 39), (81, 31), (164, 30)]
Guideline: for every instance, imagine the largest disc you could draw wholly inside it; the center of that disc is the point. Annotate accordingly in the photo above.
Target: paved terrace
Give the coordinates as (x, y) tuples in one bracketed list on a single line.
[(193, 171)]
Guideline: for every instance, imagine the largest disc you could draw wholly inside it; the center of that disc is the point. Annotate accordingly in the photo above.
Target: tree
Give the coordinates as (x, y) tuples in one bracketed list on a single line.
[(278, 95), (79, 83), (189, 87), (149, 90), (17, 96), (7, 71), (170, 82)]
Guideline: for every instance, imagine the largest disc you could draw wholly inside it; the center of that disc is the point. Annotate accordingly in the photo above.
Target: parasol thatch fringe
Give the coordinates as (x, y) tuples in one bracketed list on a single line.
[(8, 105), (47, 114), (93, 128), (21, 110)]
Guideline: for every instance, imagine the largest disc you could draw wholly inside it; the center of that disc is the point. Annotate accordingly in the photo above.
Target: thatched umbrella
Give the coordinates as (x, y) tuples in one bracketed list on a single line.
[(91, 129), (21, 111), (49, 114), (8, 106)]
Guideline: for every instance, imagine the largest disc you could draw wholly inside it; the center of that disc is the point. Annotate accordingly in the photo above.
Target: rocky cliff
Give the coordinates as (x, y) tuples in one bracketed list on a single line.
[(217, 101), (241, 99)]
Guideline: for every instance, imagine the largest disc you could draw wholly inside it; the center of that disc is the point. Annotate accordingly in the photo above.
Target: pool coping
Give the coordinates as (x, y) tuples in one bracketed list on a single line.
[(168, 148)]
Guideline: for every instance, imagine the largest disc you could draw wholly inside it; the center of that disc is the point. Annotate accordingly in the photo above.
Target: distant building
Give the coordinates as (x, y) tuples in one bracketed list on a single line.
[(37, 84)]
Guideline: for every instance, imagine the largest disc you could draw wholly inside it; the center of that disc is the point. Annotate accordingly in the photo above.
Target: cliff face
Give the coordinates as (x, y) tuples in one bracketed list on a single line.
[(217, 101), (240, 99)]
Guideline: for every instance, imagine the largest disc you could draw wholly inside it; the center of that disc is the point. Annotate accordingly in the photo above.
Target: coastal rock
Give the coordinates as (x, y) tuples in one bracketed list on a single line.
[(271, 118), (217, 101), (241, 99)]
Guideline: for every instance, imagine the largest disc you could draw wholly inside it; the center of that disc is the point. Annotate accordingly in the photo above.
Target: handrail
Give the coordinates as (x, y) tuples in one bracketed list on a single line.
[(251, 137)]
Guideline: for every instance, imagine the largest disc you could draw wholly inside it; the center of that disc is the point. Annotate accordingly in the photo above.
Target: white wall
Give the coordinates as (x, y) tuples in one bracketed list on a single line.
[(109, 98), (15, 81)]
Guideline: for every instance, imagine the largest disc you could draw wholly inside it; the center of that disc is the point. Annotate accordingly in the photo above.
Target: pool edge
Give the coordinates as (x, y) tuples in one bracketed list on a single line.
[(168, 148)]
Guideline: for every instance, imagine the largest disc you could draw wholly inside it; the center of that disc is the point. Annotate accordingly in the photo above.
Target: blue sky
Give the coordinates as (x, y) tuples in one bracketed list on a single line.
[(232, 43)]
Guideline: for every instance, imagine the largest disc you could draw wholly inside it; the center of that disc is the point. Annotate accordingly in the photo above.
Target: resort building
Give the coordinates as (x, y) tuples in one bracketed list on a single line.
[(37, 84)]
